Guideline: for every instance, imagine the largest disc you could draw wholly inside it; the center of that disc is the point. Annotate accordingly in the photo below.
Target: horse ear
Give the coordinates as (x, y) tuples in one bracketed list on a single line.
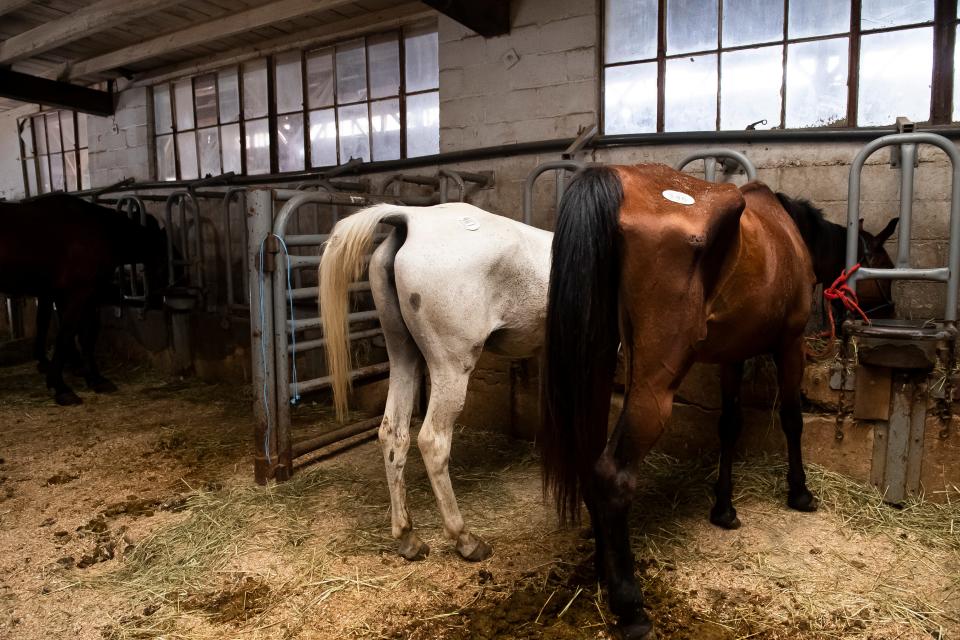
[(861, 224), (888, 230)]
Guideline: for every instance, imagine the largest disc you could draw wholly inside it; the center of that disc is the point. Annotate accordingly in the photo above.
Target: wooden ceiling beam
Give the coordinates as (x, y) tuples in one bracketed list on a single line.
[(31, 89), (382, 20), (229, 25), (9, 6), (92, 19), (489, 19)]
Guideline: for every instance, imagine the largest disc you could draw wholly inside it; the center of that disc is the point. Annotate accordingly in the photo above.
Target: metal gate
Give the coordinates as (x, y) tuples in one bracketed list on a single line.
[(275, 325)]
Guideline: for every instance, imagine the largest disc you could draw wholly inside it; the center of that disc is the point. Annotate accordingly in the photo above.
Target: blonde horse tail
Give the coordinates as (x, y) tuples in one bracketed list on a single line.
[(341, 264)]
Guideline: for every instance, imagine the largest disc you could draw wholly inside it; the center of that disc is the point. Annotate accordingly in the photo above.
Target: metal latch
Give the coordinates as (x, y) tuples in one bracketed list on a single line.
[(904, 125)]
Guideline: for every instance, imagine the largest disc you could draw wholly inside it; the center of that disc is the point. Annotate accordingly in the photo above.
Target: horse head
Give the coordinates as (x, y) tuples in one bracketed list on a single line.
[(876, 298)]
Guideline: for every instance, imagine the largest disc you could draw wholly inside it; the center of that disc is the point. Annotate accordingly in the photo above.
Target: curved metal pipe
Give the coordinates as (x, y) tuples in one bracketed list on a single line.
[(709, 170), (553, 165)]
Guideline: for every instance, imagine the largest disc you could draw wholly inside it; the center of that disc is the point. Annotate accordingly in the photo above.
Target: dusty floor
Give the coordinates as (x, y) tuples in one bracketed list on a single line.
[(134, 516)]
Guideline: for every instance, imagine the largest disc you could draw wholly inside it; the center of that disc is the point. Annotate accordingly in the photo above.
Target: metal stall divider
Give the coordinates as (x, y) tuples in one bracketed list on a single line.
[(710, 157), (895, 358), (136, 210), (234, 302), (273, 327)]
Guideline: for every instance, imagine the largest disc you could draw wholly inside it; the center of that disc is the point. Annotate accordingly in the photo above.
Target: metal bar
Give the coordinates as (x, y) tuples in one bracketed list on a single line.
[(709, 157), (307, 293), (309, 445), (853, 215), (312, 239), (315, 323), (238, 194), (356, 374), (937, 274), (299, 262), (310, 345), (581, 141), (553, 165), (908, 153), (261, 337), (282, 358)]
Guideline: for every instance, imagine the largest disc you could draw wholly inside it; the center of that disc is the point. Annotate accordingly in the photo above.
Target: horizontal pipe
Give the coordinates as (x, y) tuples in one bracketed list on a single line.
[(316, 323), (307, 293), (560, 144), (299, 262), (310, 445), (324, 382), (940, 274), (310, 345)]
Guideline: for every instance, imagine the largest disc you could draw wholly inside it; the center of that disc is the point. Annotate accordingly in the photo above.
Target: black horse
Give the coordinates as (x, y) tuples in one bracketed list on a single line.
[(827, 243), (63, 249)]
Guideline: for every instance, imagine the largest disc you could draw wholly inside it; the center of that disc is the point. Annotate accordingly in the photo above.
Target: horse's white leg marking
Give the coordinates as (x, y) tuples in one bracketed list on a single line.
[(405, 371)]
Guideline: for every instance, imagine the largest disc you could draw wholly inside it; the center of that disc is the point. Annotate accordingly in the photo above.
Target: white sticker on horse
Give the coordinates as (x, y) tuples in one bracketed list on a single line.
[(678, 196), (470, 224)]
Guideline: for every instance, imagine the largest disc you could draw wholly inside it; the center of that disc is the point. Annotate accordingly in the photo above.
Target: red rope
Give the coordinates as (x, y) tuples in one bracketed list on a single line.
[(841, 291)]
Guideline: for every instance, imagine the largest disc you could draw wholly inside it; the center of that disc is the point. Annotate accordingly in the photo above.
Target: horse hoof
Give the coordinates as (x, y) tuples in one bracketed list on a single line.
[(102, 386), (727, 519), (802, 501), (413, 548), (67, 398), (472, 548), (638, 631)]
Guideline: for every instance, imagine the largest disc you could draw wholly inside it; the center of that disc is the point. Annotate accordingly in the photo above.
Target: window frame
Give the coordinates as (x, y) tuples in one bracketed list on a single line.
[(944, 27), (78, 146), (274, 114)]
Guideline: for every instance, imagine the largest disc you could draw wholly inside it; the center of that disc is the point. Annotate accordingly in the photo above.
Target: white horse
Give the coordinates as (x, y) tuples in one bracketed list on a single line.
[(449, 281)]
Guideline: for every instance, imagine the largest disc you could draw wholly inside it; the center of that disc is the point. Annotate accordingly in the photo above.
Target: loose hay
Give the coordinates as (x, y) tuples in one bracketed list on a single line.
[(200, 557), (313, 558)]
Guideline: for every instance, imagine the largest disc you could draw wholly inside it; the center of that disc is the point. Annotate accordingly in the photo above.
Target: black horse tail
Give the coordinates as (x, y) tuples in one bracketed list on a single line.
[(582, 335)]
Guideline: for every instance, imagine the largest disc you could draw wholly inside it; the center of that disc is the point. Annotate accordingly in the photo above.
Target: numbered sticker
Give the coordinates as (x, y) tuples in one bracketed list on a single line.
[(470, 224), (679, 197)]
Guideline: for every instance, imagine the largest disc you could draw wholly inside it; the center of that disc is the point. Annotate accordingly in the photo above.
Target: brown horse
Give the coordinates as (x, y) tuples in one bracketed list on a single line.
[(827, 243), (679, 271)]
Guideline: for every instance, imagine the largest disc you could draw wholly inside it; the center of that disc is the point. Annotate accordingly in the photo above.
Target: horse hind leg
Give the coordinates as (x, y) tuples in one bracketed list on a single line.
[(447, 393), (790, 373), (723, 513), (89, 331), (615, 478), (72, 310), (44, 315), (406, 367)]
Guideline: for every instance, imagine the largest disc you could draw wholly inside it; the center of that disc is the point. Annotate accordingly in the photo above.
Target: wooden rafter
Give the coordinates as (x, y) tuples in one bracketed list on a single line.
[(27, 88), (82, 23), (376, 21), (9, 6), (489, 19), (230, 25)]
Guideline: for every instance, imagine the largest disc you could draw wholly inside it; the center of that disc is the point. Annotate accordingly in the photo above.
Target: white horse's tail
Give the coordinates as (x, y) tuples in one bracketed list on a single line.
[(343, 263)]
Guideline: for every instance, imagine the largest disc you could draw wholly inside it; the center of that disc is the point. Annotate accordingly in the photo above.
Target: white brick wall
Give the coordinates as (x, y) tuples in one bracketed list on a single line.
[(549, 91), (120, 145)]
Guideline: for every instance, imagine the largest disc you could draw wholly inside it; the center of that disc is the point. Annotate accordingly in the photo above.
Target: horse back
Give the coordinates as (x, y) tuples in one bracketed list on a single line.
[(53, 243)]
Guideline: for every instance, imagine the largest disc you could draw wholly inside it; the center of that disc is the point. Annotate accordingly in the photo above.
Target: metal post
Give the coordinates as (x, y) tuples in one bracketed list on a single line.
[(259, 213), (908, 152)]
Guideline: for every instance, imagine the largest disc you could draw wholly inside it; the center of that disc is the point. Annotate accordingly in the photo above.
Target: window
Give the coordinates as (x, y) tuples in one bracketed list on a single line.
[(53, 149), (707, 65), (373, 98)]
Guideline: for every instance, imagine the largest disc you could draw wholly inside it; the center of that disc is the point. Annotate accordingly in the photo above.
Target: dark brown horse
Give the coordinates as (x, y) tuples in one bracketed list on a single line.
[(65, 249), (827, 243), (679, 271)]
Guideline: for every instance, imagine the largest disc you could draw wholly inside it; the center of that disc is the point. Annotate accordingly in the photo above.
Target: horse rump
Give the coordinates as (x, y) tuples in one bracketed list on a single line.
[(581, 335)]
